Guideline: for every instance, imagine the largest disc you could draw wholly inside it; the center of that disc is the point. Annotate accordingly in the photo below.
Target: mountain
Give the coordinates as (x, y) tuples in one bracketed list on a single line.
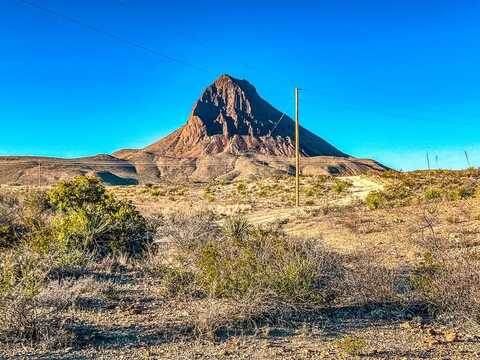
[(230, 117), (231, 133)]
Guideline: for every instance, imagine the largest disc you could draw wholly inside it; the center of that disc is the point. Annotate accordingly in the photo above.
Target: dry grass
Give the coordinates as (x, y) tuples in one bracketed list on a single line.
[(398, 281)]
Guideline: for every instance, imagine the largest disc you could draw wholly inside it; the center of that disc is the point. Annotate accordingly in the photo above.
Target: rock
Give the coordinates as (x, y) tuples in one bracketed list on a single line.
[(230, 117)]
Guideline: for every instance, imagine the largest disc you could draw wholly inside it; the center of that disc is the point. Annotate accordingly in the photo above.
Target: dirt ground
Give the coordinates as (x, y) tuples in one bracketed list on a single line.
[(128, 319)]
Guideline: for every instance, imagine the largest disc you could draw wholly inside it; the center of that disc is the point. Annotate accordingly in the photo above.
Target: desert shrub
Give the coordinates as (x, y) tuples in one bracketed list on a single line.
[(242, 260), (24, 269), (309, 191), (221, 318), (339, 186), (241, 186), (449, 282), (21, 271), (36, 202), (78, 193), (351, 345), (237, 227), (11, 228), (433, 194), (375, 200), (93, 219), (24, 321), (208, 190), (416, 187), (371, 285), (175, 281), (111, 226), (462, 192), (181, 191), (187, 231), (157, 192)]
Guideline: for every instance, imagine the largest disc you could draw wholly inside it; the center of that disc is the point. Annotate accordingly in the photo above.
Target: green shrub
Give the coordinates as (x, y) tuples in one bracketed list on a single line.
[(339, 186), (21, 272), (309, 191), (111, 226), (78, 193), (175, 281), (247, 260), (375, 200), (92, 219), (433, 194), (157, 192), (237, 227), (208, 190), (36, 202), (241, 187), (351, 345)]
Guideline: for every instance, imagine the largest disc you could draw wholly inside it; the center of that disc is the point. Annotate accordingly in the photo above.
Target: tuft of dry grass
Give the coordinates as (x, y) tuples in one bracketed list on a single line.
[(24, 321)]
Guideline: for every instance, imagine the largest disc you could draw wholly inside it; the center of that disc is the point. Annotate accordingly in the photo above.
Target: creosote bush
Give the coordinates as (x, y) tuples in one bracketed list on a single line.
[(90, 218), (242, 260), (78, 193), (339, 186), (375, 200)]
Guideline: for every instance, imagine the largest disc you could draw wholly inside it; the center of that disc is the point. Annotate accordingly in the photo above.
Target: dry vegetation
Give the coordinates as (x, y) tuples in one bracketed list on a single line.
[(229, 270)]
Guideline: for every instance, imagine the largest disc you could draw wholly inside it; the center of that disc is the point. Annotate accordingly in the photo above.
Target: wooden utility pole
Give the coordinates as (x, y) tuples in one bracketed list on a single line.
[(297, 152)]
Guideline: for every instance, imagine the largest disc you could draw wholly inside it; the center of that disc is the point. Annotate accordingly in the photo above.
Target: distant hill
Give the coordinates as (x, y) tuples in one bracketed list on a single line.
[(231, 132)]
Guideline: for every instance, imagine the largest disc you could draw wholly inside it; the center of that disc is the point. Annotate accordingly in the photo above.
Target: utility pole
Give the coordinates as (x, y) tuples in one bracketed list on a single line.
[(297, 153), (428, 161)]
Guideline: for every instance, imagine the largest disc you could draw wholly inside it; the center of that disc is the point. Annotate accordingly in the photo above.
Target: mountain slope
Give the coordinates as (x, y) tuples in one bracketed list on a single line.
[(230, 117)]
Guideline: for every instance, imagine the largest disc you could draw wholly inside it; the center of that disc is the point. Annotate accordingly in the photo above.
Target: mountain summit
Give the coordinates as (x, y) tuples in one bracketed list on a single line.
[(230, 117)]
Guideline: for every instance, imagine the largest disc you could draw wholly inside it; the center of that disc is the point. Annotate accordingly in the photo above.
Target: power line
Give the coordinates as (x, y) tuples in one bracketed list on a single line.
[(281, 118), (112, 35)]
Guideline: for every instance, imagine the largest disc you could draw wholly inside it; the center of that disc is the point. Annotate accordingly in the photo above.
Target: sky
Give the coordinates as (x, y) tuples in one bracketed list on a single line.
[(388, 80)]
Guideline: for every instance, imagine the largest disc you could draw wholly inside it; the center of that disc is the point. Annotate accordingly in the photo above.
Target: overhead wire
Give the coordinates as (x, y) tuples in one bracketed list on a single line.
[(111, 35)]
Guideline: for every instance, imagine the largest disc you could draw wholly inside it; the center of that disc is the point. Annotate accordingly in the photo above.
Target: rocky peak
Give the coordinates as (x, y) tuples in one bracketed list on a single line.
[(229, 107), (230, 117)]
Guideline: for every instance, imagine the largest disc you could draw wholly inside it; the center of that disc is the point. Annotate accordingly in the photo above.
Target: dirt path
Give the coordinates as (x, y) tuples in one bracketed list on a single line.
[(361, 187)]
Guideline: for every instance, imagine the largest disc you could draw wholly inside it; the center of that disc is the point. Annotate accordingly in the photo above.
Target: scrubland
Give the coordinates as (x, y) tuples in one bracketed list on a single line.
[(380, 266)]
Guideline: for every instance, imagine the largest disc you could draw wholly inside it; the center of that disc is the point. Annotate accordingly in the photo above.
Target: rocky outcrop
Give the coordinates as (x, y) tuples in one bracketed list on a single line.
[(230, 117)]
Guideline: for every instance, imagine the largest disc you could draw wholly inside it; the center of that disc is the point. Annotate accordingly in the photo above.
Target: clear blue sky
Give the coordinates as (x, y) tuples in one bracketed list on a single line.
[(388, 80)]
